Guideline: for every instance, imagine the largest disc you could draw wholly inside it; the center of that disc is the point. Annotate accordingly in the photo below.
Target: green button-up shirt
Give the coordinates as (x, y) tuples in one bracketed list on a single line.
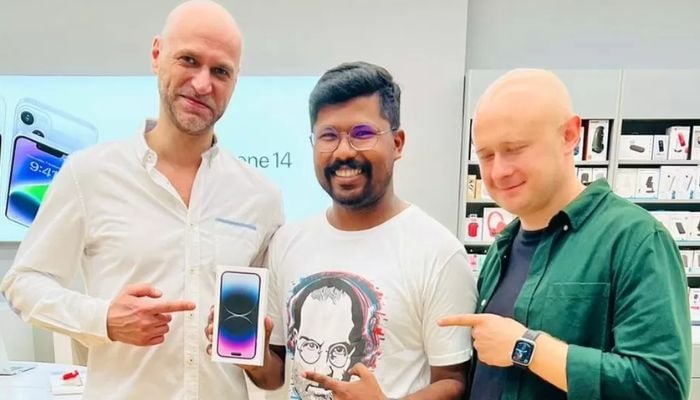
[(607, 279)]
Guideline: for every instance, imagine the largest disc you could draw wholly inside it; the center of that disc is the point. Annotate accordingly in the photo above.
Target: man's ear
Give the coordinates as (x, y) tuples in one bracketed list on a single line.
[(572, 133), (399, 141), (155, 53)]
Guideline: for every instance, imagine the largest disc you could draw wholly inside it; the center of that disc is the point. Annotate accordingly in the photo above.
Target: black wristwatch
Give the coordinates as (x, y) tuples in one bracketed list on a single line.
[(524, 349)]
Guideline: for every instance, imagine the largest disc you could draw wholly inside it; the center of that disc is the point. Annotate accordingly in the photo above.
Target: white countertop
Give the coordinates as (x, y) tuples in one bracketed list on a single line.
[(35, 383)]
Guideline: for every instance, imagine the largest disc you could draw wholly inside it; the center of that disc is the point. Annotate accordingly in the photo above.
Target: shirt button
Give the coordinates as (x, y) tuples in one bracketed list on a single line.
[(566, 228), (483, 302)]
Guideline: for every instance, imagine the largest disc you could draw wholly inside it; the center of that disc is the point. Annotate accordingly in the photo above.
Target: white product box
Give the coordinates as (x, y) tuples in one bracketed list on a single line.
[(695, 267), (585, 175), (471, 187), (578, 150), (694, 301), (597, 140), (626, 182), (694, 226), (678, 142), (473, 228), (687, 259), (667, 181), (684, 184), (238, 287), (660, 147), (475, 261), (678, 225), (599, 173), (495, 220), (472, 149), (647, 186), (695, 144), (635, 147)]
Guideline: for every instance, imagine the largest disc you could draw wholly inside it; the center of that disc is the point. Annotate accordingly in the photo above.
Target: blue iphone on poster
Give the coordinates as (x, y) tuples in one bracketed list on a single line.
[(34, 165)]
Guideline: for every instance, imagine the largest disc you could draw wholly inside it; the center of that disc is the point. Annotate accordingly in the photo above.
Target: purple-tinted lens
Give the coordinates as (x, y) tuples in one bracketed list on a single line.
[(363, 132)]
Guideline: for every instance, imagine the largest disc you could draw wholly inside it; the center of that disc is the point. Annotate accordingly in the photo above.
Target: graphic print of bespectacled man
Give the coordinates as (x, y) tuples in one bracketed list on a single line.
[(334, 322)]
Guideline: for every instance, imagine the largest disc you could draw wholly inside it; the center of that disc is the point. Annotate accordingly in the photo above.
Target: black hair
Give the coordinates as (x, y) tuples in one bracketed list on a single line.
[(357, 79)]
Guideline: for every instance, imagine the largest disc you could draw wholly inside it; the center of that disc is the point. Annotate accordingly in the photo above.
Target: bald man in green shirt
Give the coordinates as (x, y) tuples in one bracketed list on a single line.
[(584, 295)]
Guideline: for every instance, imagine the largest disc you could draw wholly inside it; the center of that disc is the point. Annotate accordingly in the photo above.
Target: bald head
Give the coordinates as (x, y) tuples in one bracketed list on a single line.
[(525, 134), (205, 19), (527, 94)]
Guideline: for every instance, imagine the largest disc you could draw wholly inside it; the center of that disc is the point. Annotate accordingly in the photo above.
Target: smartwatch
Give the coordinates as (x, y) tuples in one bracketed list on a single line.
[(524, 349)]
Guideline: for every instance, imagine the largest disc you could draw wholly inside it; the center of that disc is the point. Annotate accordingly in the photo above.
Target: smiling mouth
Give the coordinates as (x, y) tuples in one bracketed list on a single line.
[(347, 172), (195, 101)]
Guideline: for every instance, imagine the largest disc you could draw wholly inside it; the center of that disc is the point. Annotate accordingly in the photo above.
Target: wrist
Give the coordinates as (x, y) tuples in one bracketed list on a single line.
[(524, 348)]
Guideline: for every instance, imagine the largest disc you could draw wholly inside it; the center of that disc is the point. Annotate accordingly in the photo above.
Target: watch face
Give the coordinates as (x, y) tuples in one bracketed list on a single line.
[(522, 353)]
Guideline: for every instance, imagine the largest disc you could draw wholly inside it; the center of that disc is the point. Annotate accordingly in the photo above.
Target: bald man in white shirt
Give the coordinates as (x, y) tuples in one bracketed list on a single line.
[(146, 220)]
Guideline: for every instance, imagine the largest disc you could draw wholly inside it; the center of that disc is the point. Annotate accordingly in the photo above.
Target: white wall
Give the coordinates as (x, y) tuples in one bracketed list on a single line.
[(596, 34)]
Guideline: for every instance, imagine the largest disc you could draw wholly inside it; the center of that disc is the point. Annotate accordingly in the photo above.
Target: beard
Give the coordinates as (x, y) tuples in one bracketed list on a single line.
[(191, 124), (370, 194)]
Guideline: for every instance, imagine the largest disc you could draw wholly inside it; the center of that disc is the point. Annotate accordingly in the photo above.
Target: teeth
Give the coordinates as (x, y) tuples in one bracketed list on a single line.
[(347, 173)]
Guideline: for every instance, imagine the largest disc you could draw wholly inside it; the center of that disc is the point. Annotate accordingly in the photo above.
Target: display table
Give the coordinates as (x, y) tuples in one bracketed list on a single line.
[(35, 384)]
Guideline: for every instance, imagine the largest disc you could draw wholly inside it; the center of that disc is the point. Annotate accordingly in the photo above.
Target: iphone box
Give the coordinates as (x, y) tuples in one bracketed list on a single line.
[(635, 147), (678, 142), (695, 144), (660, 147), (597, 140), (239, 315)]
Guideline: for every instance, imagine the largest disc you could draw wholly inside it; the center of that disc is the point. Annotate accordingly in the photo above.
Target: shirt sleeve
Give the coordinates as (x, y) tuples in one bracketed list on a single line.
[(451, 291), (36, 285), (651, 355)]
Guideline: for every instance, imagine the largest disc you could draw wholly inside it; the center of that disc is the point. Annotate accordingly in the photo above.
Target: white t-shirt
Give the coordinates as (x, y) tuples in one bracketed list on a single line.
[(371, 296)]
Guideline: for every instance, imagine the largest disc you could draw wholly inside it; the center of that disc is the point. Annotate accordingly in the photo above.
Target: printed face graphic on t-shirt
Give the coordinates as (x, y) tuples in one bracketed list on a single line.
[(333, 324)]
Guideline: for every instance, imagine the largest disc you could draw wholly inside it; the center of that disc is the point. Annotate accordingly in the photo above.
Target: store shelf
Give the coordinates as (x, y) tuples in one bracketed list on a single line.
[(592, 163), (693, 275), (688, 243), (478, 244), (471, 162), (659, 162), (481, 201), (661, 201)]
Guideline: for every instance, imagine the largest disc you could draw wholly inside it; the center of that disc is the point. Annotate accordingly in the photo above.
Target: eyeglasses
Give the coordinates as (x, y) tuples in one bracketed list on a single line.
[(360, 137), (337, 354)]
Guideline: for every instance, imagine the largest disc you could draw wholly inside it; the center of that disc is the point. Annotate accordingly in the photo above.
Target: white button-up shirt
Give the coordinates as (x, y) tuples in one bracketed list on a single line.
[(112, 215)]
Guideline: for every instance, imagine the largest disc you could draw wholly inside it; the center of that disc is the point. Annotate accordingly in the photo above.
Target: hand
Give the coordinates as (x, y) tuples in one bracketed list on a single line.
[(134, 318), (494, 336), (209, 332), (367, 388)]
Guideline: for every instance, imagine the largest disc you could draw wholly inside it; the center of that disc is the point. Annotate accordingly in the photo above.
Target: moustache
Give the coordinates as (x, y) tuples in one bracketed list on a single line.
[(330, 169)]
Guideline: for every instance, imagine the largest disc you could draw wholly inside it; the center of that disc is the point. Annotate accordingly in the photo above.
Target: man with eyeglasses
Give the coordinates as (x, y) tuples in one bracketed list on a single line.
[(356, 292)]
